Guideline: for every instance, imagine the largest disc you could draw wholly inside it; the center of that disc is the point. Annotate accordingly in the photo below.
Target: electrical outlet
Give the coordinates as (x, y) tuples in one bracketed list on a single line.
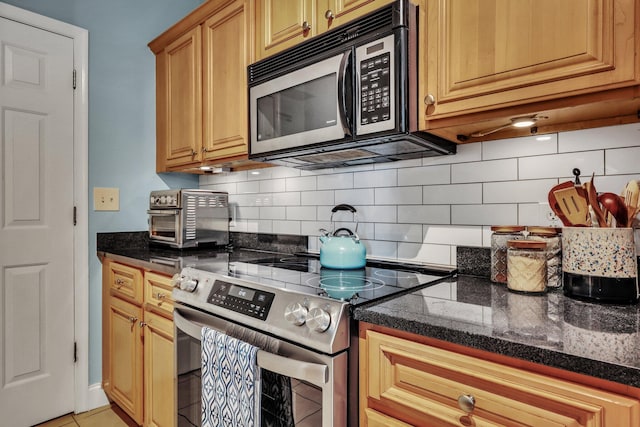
[(546, 216), (106, 199)]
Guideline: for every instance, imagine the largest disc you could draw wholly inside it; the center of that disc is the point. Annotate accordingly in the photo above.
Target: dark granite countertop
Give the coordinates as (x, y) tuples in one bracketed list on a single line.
[(594, 339)]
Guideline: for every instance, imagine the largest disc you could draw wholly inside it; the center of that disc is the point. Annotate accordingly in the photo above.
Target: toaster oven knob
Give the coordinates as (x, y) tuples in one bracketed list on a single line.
[(318, 320), (296, 313)]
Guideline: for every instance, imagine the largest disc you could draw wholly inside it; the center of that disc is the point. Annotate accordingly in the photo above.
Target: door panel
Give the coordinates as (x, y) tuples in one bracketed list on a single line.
[(36, 224)]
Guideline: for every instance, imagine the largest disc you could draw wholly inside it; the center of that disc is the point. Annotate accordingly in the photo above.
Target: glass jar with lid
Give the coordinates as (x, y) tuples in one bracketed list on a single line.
[(551, 236), (527, 266), (500, 235)]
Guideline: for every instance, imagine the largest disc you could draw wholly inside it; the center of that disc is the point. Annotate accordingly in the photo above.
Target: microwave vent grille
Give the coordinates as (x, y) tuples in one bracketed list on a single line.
[(376, 22)]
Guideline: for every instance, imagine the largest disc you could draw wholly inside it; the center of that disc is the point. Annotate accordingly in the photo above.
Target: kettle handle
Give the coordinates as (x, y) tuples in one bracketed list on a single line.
[(343, 207), (349, 232)]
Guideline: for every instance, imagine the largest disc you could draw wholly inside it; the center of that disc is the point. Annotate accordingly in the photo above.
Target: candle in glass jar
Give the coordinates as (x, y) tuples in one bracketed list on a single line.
[(526, 266)]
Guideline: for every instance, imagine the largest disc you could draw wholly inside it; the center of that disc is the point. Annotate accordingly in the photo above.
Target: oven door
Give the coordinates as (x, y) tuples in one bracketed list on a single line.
[(307, 106), (165, 225), (299, 387)]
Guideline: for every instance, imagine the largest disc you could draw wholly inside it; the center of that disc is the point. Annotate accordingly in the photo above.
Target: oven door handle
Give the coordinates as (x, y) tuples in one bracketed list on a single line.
[(314, 373)]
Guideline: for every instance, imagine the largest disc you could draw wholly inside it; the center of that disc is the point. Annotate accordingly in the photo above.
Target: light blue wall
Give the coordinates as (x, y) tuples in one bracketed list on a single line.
[(121, 118)]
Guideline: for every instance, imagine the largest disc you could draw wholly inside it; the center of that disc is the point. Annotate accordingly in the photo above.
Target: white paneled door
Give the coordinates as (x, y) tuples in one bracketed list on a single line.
[(36, 225)]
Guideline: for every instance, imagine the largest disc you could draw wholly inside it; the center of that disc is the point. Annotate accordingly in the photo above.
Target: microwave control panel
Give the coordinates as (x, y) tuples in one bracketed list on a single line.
[(376, 91)]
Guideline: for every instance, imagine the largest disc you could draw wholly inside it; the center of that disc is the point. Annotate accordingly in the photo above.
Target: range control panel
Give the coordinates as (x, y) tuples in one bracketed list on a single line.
[(241, 299)]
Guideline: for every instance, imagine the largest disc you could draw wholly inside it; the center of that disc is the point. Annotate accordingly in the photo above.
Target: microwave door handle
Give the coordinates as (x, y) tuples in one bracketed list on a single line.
[(343, 93), (314, 373)]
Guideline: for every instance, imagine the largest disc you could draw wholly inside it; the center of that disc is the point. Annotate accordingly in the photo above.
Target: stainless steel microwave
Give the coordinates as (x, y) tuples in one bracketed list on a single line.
[(343, 98)]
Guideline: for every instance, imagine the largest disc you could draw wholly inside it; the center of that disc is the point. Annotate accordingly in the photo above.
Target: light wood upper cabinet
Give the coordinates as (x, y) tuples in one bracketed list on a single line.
[(179, 100), (333, 13), (201, 90), (403, 382), (226, 56), (486, 55), (280, 26)]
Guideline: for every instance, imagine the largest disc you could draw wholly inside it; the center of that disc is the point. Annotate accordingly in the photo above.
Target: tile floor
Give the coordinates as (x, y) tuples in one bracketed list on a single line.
[(106, 416)]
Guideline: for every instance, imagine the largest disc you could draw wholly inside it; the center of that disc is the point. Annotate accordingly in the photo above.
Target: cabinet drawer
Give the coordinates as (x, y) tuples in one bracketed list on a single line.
[(421, 385), (157, 294), (125, 282)]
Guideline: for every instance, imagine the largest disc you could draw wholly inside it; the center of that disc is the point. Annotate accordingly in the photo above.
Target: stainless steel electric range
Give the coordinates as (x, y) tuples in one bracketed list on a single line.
[(299, 314)]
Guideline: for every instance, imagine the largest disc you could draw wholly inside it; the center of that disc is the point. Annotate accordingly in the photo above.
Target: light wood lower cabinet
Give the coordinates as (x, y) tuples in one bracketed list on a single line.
[(407, 383), (138, 357)]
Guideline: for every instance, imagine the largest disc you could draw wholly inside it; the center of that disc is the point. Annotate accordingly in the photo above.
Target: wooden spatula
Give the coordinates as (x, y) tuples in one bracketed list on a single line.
[(573, 206), (553, 203)]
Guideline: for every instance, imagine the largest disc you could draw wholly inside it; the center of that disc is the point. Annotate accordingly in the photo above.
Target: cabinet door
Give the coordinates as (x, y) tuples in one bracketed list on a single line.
[(179, 101), (159, 377), (125, 282), (125, 363), (333, 13), (488, 54), (280, 25), (226, 56), (424, 385), (157, 294)]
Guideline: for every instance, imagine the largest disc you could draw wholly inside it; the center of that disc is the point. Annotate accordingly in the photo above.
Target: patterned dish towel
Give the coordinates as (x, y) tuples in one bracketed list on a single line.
[(230, 381)]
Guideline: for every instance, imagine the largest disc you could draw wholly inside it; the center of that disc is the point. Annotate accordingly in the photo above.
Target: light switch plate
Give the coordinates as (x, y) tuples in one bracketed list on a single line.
[(106, 199)]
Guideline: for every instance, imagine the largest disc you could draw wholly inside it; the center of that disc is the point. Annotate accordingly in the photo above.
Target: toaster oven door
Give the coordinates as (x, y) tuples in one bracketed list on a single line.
[(165, 226)]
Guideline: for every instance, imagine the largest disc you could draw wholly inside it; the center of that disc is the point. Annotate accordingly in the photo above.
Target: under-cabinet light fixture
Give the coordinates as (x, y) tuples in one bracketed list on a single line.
[(517, 122)]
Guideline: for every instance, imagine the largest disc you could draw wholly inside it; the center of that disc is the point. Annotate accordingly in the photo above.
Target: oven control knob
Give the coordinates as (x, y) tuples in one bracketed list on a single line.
[(318, 320), (186, 283), (296, 313)]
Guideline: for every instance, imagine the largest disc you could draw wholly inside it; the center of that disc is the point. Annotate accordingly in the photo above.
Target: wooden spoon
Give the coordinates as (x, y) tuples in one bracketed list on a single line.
[(615, 205), (631, 196), (592, 196)]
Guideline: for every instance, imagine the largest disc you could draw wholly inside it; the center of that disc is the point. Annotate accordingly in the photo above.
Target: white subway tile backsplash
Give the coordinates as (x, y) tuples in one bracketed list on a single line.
[(304, 213), (600, 138), (517, 191), (484, 214), (301, 183), (622, 160), (561, 165), (335, 182), (425, 175), (422, 209), (398, 232), (398, 196), (272, 185), (363, 196), (453, 194), (487, 171), (286, 199), (520, 147), (377, 213), (317, 198), (424, 214), (379, 178), (453, 235)]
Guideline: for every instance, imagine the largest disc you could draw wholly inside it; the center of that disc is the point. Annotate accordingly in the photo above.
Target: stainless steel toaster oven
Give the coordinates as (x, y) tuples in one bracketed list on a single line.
[(185, 218)]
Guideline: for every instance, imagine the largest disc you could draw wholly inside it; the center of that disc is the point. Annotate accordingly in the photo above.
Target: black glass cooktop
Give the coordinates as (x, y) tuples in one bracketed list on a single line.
[(303, 273)]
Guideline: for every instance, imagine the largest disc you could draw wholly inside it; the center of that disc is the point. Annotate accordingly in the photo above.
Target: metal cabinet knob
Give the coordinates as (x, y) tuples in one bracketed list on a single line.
[(159, 295), (429, 99), (143, 324), (306, 26), (467, 403), (329, 15), (133, 319)]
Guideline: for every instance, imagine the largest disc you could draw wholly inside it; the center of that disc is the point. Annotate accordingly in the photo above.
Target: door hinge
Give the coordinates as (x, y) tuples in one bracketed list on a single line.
[(75, 352), (74, 79), (75, 215)]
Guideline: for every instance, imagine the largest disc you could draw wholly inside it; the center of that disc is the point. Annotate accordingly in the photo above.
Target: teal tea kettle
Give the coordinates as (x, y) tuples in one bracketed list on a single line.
[(342, 249)]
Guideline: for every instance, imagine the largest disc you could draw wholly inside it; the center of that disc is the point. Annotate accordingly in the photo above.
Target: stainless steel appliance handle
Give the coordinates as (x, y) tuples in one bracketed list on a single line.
[(313, 373), (163, 212), (343, 93)]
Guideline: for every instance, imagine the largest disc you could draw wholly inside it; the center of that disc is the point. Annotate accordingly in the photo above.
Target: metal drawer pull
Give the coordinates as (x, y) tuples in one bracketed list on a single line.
[(316, 374), (159, 295), (306, 26), (467, 403), (119, 283), (133, 319)]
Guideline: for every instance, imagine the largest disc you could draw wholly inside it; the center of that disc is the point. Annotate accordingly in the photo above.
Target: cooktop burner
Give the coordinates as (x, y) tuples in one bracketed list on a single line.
[(304, 274)]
